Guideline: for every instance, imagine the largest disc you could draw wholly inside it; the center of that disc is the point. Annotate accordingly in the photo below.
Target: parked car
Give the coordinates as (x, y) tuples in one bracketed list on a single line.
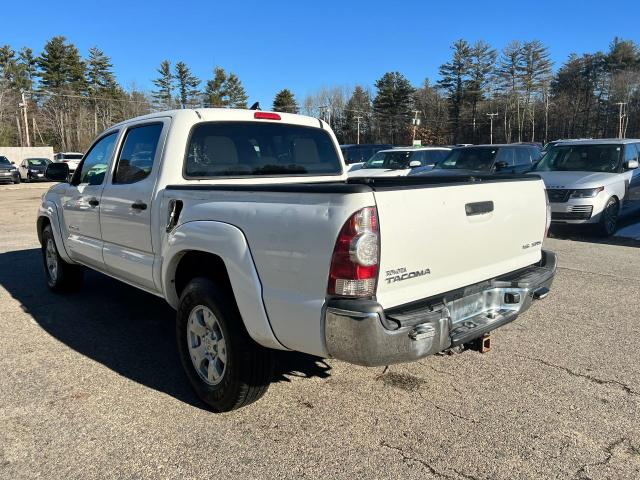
[(32, 169), (497, 159), (592, 182), (244, 221), (70, 158), (8, 171), (400, 161), (362, 152)]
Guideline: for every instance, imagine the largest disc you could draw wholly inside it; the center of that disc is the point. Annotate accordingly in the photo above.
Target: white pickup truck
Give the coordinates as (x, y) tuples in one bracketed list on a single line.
[(246, 223)]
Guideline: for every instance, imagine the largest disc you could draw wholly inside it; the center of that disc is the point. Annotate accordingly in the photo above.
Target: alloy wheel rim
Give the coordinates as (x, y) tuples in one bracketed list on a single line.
[(51, 259), (207, 345), (610, 217)]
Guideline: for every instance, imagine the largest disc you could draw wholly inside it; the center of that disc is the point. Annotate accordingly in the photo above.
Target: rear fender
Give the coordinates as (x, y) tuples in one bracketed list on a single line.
[(229, 243)]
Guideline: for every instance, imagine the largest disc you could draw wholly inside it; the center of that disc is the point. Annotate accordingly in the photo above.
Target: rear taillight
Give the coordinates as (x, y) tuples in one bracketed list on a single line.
[(354, 265)]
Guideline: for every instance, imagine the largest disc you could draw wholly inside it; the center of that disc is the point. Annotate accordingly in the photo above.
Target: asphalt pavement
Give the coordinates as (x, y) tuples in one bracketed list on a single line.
[(91, 387)]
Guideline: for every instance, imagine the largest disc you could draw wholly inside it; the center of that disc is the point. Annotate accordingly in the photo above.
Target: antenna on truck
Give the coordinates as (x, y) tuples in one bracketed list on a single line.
[(255, 106)]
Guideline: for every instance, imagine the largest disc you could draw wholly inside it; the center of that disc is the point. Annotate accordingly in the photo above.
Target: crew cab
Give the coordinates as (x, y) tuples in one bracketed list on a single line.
[(246, 223), (592, 182)]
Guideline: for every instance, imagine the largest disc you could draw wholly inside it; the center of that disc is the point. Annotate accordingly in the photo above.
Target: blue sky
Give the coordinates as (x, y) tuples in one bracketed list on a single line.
[(305, 45)]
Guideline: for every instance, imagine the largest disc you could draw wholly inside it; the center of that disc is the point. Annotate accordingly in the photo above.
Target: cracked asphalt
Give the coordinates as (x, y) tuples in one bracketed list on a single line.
[(91, 387)]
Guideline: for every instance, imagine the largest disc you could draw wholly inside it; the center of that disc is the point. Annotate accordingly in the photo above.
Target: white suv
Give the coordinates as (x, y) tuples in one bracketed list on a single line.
[(70, 158), (592, 181)]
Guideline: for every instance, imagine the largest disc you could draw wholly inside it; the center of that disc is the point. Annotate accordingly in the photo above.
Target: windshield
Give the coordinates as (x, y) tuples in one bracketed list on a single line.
[(391, 160), (467, 158), (582, 158), (37, 162), (4, 161)]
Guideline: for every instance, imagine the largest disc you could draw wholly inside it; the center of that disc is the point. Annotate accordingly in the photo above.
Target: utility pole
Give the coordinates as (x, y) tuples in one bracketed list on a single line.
[(26, 119), (491, 115), (358, 119), (415, 125), (326, 113), (620, 117)]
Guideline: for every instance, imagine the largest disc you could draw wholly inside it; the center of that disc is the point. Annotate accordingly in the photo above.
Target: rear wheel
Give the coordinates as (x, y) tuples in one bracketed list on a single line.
[(609, 218), (226, 368), (61, 276)]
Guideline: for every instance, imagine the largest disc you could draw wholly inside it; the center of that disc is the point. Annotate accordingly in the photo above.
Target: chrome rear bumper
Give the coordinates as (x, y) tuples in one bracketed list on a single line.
[(362, 332)]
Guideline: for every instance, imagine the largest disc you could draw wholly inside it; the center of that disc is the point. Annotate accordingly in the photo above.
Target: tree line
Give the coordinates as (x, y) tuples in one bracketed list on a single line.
[(64, 99)]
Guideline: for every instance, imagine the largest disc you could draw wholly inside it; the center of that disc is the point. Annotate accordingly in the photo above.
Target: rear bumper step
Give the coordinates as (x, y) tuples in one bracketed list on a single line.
[(362, 332)]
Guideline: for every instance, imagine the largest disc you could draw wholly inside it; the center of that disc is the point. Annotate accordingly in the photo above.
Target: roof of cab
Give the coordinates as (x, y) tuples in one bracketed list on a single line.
[(225, 114), (601, 141), (414, 149)]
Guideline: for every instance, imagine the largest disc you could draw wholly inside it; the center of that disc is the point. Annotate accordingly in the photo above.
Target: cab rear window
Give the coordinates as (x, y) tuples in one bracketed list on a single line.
[(240, 149)]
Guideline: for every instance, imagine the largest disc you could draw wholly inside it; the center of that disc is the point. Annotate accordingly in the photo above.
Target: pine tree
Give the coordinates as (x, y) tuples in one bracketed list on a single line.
[(7, 63), (100, 75), (61, 66), (454, 77), (214, 91), (186, 84), (27, 68), (534, 69), (234, 92), (284, 101), (165, 84), (393, 105), (52, 63), (508, 77), (482, 63), (358, 105)]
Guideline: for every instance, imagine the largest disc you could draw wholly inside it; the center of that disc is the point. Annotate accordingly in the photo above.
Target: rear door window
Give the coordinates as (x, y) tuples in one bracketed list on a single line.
[(506, 154), (630, 152), (523, 157), (243, 149)]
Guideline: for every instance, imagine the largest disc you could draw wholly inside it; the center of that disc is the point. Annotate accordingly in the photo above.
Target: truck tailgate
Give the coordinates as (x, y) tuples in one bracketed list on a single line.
[(439, 237)]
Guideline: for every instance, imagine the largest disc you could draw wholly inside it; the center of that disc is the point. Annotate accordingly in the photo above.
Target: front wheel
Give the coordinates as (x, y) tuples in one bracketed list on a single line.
[(226, 368), (61, 276), (609, 218)]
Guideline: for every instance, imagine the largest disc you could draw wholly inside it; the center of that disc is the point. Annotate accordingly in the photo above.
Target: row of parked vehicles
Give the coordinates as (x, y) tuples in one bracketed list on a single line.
[(33, 169), (592, 182)]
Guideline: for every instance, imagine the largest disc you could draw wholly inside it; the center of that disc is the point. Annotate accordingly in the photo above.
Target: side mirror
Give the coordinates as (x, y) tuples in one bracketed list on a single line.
[(57, 172), (501, 165), (415, 163), (631, 164), (13, 163)]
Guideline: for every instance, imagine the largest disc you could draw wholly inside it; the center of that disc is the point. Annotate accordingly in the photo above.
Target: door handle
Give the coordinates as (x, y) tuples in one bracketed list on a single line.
[(478, 208), (139, 206), (94, 202)]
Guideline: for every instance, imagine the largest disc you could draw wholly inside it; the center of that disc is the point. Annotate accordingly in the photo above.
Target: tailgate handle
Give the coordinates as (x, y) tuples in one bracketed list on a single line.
[(478, 208)]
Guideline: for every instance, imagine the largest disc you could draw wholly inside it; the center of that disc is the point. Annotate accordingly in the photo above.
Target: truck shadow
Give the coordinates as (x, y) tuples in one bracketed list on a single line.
[(129, 331)]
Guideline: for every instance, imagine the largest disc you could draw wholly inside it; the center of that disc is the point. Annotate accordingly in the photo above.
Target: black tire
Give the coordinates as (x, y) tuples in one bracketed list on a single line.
[(17, 181), (609, 218), (67, 277), (248, 367)]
